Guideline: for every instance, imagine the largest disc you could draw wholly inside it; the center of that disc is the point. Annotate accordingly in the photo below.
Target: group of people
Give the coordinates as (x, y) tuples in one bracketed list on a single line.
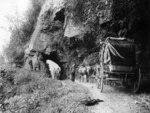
[(89, 73), (86, 73), (33, 62)]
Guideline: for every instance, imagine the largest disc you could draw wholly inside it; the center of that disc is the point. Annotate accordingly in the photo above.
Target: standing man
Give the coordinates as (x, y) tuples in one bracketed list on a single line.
[(73, 69)]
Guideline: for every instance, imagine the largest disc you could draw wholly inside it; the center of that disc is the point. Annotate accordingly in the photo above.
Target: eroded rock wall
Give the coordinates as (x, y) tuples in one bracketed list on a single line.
[(73, 28), (58, 20)]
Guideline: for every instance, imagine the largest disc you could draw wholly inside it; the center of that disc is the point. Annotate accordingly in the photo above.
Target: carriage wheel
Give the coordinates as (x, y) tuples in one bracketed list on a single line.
[(125, 84), (136, 81)]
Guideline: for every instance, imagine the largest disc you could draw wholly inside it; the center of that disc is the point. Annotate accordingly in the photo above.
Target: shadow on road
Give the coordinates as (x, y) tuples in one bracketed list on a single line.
[(91, 102)]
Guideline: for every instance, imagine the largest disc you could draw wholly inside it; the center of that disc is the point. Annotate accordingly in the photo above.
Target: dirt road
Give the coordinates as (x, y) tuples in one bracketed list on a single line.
[(115, 101)]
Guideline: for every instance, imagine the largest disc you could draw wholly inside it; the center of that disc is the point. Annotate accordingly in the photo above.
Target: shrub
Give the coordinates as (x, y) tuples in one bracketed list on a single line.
[(29, 91)]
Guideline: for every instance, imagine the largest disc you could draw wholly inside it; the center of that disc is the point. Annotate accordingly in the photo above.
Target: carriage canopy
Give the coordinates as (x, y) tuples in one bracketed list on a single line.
[(119, 51), (119, 54)]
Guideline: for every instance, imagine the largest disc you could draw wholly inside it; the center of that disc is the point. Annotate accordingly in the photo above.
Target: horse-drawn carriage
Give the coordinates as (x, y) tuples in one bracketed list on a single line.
[(118, 62)]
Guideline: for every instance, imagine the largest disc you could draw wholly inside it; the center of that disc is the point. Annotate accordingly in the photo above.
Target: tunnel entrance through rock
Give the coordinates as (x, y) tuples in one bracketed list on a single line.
[(55, 58), (60, 16)]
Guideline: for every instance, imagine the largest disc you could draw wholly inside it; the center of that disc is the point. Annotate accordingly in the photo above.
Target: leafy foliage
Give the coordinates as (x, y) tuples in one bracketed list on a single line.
[(25, 91), (20, 35)]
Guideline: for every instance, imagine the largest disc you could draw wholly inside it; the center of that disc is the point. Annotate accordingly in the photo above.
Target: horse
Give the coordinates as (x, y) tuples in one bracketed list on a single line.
[(82, 72), (90, 71), (96, 72), (86, 72), (54, 69)]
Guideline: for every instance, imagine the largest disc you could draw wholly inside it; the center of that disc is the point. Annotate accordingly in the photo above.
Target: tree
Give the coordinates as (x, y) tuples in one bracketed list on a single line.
[(21, 32)]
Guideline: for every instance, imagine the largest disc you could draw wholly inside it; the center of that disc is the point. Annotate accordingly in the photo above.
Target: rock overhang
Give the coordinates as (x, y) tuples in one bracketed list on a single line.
[(50, 10)]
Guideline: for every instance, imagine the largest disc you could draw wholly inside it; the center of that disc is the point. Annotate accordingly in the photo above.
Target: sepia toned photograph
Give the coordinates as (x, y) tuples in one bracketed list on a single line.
[(74, 56)]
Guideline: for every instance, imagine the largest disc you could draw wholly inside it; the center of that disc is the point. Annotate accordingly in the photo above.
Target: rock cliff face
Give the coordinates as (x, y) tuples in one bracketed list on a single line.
[(60, 20), (52, 25), (39, 40), (67, 31), (51, 20)]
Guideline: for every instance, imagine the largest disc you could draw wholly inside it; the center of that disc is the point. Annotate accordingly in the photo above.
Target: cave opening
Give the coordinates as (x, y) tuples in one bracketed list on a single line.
[(55, 58), (60, 16)]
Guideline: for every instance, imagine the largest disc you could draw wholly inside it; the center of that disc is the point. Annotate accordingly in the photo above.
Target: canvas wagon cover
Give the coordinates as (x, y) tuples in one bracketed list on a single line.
[(119, 51)]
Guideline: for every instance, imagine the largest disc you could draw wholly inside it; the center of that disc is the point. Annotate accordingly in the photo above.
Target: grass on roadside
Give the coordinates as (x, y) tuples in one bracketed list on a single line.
[(34, 92)]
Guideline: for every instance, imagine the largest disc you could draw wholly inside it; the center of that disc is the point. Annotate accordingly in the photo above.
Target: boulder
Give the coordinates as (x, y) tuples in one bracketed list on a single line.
[(39, 40), (74, 30), (53, 19)]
